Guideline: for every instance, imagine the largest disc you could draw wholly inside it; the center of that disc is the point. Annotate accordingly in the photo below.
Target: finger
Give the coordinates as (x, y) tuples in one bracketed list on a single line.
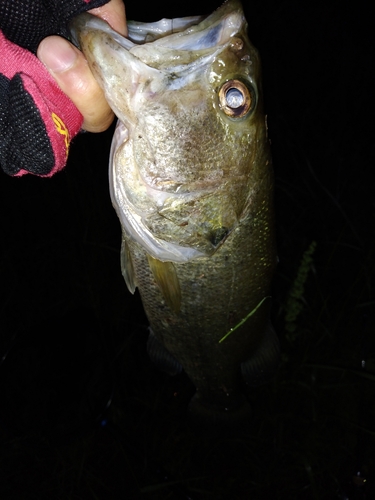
[(69, 68), (114, 13)]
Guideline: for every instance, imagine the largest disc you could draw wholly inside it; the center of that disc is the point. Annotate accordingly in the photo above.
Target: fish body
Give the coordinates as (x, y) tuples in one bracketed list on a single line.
[(192, 183)]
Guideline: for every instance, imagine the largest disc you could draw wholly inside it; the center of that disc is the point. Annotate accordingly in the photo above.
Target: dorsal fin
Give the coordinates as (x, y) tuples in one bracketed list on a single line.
[(166, 277)]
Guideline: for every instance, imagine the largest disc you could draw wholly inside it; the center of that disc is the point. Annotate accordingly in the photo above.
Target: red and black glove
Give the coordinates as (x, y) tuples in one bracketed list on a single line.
[(37, 120)]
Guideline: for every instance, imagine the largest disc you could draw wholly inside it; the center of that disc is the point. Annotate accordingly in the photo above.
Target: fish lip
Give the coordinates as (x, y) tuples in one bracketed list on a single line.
[(87, 22)]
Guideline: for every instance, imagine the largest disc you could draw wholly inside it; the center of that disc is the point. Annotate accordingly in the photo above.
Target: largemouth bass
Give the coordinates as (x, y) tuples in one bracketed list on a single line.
[(191, 181)]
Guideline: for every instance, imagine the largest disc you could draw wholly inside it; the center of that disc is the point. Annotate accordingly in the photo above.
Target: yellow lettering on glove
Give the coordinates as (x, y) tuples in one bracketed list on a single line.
[(61, 129)]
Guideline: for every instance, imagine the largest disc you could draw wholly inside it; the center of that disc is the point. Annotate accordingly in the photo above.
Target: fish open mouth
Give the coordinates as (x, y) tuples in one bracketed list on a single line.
[(168, 56), (177, 48)]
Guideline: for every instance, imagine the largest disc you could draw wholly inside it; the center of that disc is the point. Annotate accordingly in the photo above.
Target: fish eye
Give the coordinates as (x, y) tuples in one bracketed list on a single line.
[(235, 98)]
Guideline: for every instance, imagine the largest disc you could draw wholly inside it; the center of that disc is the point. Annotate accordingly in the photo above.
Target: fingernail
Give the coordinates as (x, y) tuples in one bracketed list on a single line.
[(57, 54)]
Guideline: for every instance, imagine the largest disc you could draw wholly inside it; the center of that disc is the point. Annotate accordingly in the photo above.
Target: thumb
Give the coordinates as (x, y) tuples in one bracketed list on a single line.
[(69, 68)]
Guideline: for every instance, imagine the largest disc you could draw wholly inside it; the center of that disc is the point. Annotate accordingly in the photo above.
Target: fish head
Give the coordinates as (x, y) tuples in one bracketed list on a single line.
[(188, 150)]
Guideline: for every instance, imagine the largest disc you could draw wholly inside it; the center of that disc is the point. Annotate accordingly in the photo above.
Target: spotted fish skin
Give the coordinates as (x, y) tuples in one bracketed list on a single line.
[(192, 183)]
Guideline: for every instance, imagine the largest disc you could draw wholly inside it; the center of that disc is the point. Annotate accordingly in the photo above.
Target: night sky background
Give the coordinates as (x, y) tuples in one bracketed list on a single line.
[(84, 414)]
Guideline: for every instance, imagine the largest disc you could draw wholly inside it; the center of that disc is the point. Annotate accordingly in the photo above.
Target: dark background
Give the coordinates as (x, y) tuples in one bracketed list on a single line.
[(84, 415)]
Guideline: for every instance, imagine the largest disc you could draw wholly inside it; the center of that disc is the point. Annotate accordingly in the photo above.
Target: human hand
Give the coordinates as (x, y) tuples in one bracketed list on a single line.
[(69, 68)]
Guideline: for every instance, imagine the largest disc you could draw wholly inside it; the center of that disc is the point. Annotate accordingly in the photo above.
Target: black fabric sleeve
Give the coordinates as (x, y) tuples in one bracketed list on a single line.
[(27, 22)]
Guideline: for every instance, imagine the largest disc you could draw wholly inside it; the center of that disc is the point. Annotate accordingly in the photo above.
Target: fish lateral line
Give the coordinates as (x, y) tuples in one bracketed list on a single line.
[(251, 313)]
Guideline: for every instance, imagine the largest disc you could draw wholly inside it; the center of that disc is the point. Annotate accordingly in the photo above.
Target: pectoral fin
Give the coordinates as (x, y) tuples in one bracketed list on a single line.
[(127, 269), (166, 277)]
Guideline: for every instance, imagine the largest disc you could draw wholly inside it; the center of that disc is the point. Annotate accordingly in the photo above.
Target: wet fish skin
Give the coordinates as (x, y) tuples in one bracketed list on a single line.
[(193, 188)]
